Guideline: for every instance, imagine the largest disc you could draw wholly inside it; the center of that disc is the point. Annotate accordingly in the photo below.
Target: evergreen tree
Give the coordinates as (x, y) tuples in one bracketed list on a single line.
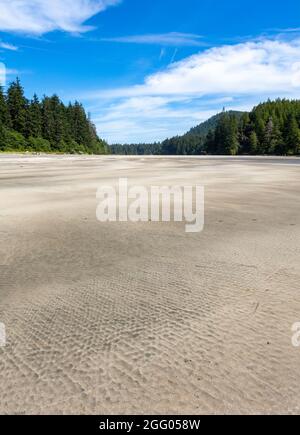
[(231, 142), (253, 143), (268, 135), (34, 118), (17, 106), (210, 147), (292, 136), (276, 140), (226, 136), (244, 131), (53, 121)]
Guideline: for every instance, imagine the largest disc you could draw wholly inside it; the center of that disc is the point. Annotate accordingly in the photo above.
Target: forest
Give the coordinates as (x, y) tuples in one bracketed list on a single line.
[(45, 126), (271, 128)]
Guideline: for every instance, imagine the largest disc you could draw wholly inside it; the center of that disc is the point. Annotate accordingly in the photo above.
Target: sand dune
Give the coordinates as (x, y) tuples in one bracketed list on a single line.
[(144, 318)]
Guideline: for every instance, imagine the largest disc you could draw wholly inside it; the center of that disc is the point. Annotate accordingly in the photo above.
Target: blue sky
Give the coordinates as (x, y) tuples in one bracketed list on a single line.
[(150, 69)]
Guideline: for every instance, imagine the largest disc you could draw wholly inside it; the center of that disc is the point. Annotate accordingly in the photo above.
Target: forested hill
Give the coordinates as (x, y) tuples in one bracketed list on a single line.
[(45, 126), (204, 128), (271, 128)]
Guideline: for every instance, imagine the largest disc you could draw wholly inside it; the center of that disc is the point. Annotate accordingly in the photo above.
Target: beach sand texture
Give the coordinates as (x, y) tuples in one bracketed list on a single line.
[(108, 318)]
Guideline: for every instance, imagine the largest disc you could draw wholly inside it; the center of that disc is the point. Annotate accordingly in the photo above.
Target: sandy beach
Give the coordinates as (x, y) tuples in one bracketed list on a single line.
[(128, 318)]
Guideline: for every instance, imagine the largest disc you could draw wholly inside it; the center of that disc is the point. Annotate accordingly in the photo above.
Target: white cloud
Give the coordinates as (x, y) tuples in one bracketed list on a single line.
[(42, 16), (7, 46), (166, 39), (248, 68), (190, 90)]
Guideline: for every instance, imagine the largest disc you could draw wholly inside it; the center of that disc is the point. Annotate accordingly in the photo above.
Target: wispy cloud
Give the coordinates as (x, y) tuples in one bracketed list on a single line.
[(7, 46), (41, 16), (186, 92), (286, 30), (166, 39)]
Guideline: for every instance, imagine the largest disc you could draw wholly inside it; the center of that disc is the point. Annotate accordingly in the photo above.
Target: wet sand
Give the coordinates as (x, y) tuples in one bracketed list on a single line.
[(142, 317)]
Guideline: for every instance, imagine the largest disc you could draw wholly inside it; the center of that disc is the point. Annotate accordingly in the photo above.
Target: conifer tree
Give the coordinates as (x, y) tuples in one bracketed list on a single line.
[(17, 106), (268, 135), (292, 136), (210, 143), (276, 141), (253, 142), (34, 118)]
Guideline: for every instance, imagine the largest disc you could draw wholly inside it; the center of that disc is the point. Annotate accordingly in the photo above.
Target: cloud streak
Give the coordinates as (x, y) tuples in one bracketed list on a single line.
[(7, 46), (42, 16), (166, 39)]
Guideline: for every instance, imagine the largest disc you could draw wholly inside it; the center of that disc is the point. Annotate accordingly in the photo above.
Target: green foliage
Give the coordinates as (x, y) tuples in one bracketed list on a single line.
[(15, 141), (39, 144), (46, 126)]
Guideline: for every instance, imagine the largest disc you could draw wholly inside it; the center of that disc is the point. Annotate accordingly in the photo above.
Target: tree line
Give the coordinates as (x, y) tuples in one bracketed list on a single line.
[(271, 128), (45, 126)]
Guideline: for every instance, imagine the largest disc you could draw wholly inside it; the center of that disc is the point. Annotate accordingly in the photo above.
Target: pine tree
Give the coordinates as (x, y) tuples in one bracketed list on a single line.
[(253, 142), (260, 131), (209, 146), (231, 141), (276, 140), (226, 136), (244, 131), (221, 134), (52, 119), (81, 127), (17, 107), (268, 135), (292, 136), (34, 118)]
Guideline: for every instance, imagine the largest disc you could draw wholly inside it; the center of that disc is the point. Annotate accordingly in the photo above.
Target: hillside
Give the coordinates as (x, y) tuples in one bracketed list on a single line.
[(211, 124)]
